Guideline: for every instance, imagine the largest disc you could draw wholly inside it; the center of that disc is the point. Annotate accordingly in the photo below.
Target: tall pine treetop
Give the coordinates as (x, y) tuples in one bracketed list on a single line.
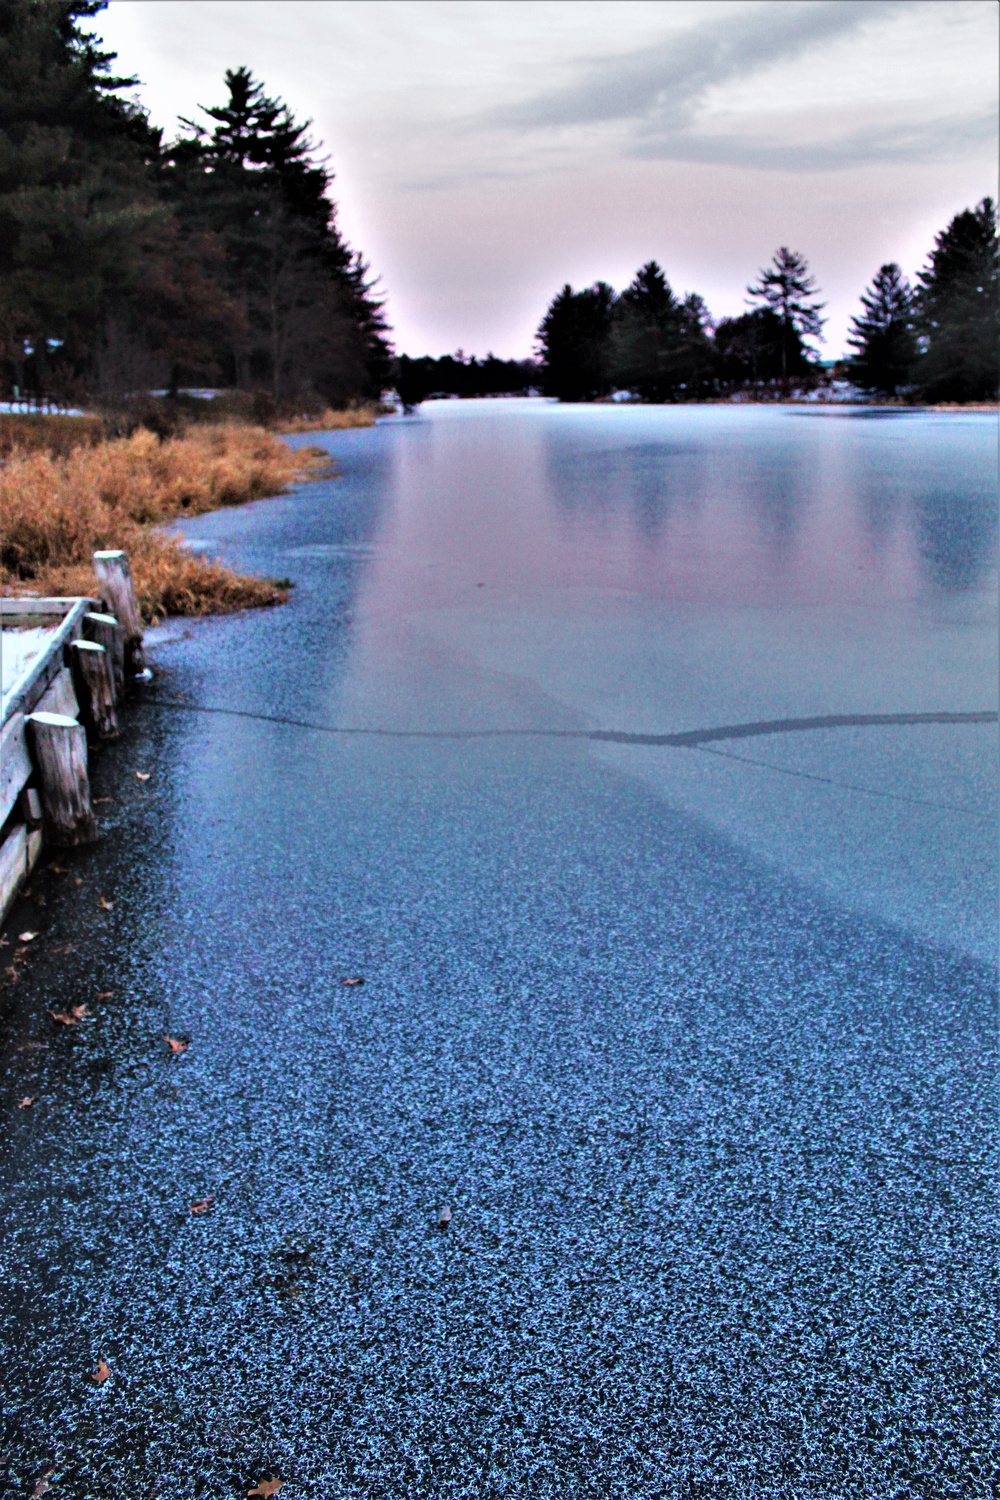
[(958, 306), (257, 143)]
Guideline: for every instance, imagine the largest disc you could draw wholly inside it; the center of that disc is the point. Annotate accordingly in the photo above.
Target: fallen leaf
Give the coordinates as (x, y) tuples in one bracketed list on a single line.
[(175, 1045), (444, 1217), (266, 1487), (105, 995), (108, 905), (357, 980), (97, 801), (57, 869), (79, 1011), (26, 937), (11, 973), (27, 1101), (203, 1204), (143, 775), (102, 1372), (68, 949), (78, 880), (62, 1017), (42, 1485)]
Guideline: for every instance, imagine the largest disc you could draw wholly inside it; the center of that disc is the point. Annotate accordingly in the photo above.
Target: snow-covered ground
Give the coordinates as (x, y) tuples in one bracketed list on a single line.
[(19, 647)]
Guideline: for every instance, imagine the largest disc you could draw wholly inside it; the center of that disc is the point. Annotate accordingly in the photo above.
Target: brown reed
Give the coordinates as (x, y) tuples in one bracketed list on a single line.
[(56, 509)]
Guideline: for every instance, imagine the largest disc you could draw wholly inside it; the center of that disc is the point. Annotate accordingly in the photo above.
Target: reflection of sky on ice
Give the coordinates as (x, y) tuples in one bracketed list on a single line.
[(663, 569)]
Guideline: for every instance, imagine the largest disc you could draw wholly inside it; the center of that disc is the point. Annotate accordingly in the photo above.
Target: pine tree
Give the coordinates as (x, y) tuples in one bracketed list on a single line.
[(645, 335), (660, 348), (882, 337), (311, 320), (748, 349), (75, 196), (958, 310), (788, 289), (574, 342)]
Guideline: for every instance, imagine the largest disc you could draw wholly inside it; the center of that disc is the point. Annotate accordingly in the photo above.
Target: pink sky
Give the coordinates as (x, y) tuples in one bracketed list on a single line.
[(487, 151)]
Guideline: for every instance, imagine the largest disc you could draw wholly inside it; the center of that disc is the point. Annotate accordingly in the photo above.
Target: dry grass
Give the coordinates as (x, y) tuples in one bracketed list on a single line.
[(331, 421), (980, 406), (46, 433), (57, 509)]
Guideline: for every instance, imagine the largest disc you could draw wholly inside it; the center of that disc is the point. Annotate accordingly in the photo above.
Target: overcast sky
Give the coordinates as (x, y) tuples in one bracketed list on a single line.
[(487, 151)]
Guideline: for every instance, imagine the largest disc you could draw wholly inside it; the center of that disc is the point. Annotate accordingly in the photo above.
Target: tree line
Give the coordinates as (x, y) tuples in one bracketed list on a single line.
[(130, 261), (936, 341), (459, 374)]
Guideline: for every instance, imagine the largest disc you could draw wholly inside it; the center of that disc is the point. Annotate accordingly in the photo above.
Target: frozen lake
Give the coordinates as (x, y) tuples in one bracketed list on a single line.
[(657, 570), (639, 761)]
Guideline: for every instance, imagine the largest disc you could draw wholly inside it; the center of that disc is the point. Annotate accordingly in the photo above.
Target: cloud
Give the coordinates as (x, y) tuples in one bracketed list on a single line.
[(656, 93), (666, 81), (925, 140)]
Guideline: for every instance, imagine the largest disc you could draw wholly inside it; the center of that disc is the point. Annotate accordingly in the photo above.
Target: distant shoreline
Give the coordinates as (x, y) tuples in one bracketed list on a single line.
[(737, 399)]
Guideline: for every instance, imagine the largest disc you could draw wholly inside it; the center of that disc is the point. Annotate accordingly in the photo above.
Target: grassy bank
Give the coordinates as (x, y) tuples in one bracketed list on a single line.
[(333, 421), (61, 502), (47, 433)]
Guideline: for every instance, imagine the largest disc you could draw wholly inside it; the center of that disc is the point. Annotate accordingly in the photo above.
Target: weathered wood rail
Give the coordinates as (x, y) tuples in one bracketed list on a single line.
[(64, 692)]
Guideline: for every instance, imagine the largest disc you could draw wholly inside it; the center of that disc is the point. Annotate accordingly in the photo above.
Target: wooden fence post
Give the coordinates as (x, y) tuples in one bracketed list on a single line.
[(94, 682), (105, 630), (60, 748), (118, 596)]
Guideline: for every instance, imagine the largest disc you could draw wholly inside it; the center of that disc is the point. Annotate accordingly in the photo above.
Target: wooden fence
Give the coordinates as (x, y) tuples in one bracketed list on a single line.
[(73, 662)]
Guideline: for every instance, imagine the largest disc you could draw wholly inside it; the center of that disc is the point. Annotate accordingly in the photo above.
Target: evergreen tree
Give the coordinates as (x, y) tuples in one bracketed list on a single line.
[(749, 348), (574, 342), (788, 289), (695, 361), (310, 320), (882, 337), (645, 335), (660, 348), (958, 310), (125, 264), (76, 201)]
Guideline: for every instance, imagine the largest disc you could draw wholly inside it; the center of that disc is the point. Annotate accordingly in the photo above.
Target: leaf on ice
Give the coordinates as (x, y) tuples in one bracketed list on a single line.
[(266, 1487), (102, 1372), (202, 1205), (176, 1046)]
